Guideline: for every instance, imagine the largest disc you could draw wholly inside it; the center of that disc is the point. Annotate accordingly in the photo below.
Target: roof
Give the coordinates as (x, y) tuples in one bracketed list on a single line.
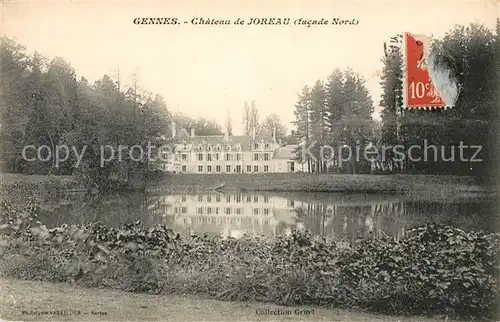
[(244, 141), (286, 152)]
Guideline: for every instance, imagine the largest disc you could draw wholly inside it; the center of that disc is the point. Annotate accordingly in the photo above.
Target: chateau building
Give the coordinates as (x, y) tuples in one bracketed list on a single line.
[(255, 153)]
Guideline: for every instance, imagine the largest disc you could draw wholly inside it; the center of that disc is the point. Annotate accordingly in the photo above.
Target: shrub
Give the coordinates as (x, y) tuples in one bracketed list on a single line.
[(435, 269)]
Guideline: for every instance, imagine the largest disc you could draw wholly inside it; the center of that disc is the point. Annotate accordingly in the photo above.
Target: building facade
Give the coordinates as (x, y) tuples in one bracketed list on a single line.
[(215, 154)]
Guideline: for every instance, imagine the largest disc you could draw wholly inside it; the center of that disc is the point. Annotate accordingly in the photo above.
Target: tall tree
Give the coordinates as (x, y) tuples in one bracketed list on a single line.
[(201, 125), (250, 118), (229, 124), (392, 93), (302, 125), (273, 124), (319, 123)]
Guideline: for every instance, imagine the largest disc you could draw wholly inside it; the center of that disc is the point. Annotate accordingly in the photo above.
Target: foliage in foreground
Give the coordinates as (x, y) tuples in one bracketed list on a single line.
[(436, 269)]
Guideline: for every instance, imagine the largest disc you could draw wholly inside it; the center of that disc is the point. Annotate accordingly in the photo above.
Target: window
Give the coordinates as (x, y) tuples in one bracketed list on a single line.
[(184, 157), (255, 198), (218, 147), (184, 210), (228, 198), (255, 168), (266, 157), (184, 198), (249, 168), (228, 210), (217, 168), (238, 211), (217, 156), (291, 203), (209, 211), (200, 156), (209, 157), (217, 198), (228, 168), (249, 199), (209, 148), (238, 198), (238, 157), (216, 210), (200, 198), (200, 168), (292, 166), (256, 157), (266, 211), (228, 148), (199, 211), (255, 211), (184, 169), (238, 169), (266, 168), (209, 168), (266, 199), (266, 146), (228, 157), (256, 146), (200, 148), (209, 198)]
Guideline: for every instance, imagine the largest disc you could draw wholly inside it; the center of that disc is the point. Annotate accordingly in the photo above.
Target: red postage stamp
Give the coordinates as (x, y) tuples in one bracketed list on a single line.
[(419, 92)]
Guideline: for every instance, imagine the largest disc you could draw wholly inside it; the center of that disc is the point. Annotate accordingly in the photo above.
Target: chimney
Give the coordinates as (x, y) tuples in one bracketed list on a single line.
[(274, 133), (253, 133), (192, 132), (174, 131), (226, 136)]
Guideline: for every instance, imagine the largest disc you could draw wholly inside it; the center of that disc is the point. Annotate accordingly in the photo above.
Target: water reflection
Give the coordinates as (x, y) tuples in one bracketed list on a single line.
[(234, 214)]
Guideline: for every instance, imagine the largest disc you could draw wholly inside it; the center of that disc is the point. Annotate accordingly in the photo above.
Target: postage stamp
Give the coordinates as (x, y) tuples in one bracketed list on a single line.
[(419, 90)]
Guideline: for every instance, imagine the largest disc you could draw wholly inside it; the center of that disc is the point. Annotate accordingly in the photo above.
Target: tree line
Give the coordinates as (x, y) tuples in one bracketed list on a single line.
[(338, 112), (335, 112), (43, 103)]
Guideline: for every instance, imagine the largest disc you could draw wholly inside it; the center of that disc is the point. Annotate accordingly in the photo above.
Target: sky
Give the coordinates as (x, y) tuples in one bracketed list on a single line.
[(209, 71)]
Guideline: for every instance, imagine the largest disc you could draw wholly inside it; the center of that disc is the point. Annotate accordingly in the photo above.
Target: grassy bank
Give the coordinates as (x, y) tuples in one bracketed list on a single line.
[(100, 304), (294, 182), (19, 185), (422, 186), (434, 270)]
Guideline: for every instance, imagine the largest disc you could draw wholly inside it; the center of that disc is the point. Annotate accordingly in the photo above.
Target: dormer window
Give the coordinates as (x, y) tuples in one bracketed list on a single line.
[(238, 147), (267, 146), (256, 146), (218, 147), (200, 148), (209, 148), (228, 148)]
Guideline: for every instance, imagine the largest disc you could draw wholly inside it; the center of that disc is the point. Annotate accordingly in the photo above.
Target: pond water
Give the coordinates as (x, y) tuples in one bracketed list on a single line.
[(233, 214)]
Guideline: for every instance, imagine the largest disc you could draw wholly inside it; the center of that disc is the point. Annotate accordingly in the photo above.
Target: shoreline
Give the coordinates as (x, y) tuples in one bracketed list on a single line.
[(420, 186)]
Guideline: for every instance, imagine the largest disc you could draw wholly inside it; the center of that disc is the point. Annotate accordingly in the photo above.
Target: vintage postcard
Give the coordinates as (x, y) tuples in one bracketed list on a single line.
[(249, 160)]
